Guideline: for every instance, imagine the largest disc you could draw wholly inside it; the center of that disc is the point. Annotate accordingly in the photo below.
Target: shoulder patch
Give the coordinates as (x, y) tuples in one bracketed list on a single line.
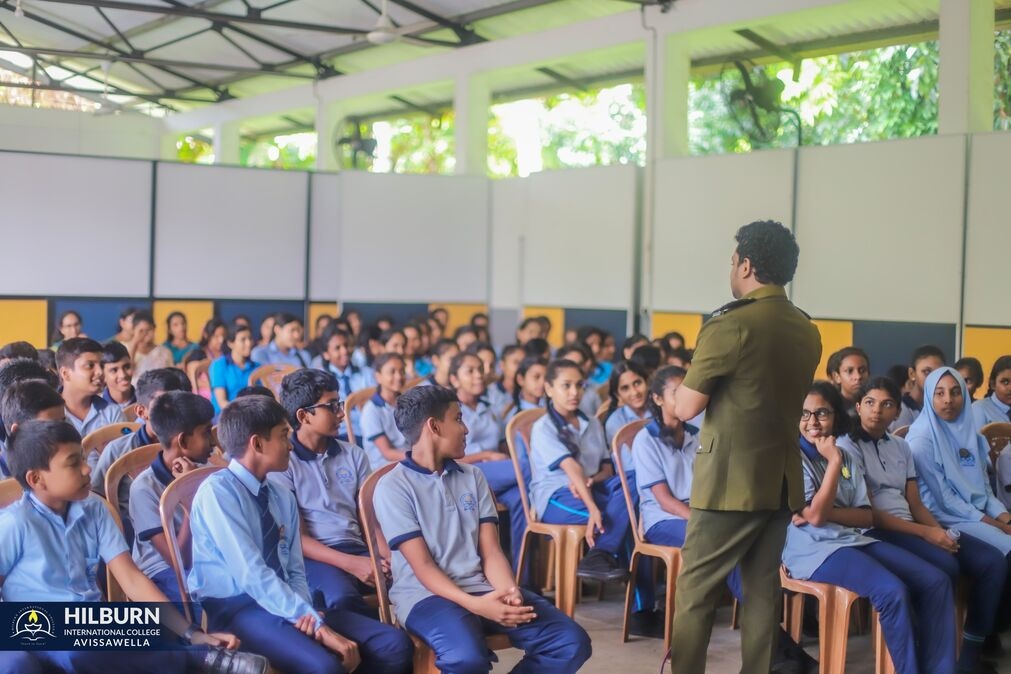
[(736, 304)]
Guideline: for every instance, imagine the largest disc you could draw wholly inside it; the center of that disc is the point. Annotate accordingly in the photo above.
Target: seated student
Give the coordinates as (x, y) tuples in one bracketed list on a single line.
[(486, 352), (925, 360), (452, 585), (248, 571), (266, 330), (142, 341), (367, 347), (580, 355), (151, 384), (972, 372), (325, 475), (627, 398), (528, 387), (538, 346), (443, 353), (484, 442), (900, 517), (182, 421), (178, 342), (825, 544), (27, 400), (632, 344), (47, 359), (849, 369), (464, 336), (68, 325), (229, 373), (51, 542), (648, 358), (14, 350), (21, 369), (680, 357), (529, 329), (117, 369), (80, 363), (336, 359), (500, 392), (996, 408), (124, 326), (572, 478), (320, 326), (383, 442), (283, 348), (412, 350), (212, 340)]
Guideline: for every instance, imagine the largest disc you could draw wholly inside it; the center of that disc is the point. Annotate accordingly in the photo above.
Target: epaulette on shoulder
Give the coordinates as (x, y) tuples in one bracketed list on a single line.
[(806, 315), (736, 304)]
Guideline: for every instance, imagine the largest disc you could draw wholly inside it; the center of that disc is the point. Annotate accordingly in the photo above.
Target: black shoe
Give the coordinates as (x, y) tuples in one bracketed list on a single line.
[(223, 661), (787, 667), (992, 646), (646, 624), (601, 566), (982, 667)]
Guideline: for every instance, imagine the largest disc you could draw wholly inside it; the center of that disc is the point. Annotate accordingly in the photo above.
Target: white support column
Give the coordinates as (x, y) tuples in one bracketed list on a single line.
[(167, 147), (667, 73), (226, 143), (966, 66), (328, 118), (471, 101)]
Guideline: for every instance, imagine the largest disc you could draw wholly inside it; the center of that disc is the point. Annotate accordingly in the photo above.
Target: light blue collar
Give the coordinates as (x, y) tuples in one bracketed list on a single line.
[(247, 479)]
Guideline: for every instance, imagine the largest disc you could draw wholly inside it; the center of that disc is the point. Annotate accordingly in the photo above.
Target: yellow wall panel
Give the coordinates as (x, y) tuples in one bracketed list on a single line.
[(557, 317), (317, 309), (24, 320), (834, 336), (459, 314), (687, 324), (986, 344), (198, 312)]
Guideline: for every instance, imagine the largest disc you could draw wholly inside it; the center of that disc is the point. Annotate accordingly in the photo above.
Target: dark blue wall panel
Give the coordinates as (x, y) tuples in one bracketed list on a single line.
[(100, 316), (613, 321), (401, 313), (889, 343), (256, 310)]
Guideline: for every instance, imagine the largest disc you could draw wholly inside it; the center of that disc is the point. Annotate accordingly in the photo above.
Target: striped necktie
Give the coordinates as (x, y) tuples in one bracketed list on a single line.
[(271, 534)]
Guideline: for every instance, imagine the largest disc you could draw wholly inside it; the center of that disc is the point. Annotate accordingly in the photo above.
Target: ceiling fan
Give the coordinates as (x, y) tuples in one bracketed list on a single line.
[(664, 5), (386, 32)]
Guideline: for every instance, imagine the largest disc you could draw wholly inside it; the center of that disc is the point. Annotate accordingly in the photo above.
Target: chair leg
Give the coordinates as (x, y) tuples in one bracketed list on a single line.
[(549, 583), (568, 557), (840, 629), (734, 618), (668, 618), (629, 595), (523, 556), (825, 630), (795, 611), (882, 658)]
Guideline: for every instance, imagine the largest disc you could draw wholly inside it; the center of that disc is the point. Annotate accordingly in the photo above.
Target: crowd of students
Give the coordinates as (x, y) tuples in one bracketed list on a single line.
[(903, 501)]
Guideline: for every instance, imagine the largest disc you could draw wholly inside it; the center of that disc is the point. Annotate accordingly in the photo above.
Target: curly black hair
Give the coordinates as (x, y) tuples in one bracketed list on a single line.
[(771, 248)]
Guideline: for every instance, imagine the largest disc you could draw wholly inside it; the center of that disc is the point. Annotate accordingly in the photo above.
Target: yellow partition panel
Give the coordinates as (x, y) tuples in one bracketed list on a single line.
[(986, 344), (24, 320), (197, 312), (687, 324), (459, 314), (317, 309), (834, 336), (557, 317)]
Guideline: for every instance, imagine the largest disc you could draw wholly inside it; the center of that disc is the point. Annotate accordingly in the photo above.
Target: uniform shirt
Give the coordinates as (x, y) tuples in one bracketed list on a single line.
[(445, 509), (512, 410), (808, 546), (498, 398), (100, 414), (326, 489), (145, 513), (46, 558), (225, 373), (484, 432), (909, 410), (377, 420), (112, 452), (227, 544), (887, 465), (107, 397), (657, 462), (590, 402), (547, 452), (272, 355), (755, 360), (621, 416), (351, 379)]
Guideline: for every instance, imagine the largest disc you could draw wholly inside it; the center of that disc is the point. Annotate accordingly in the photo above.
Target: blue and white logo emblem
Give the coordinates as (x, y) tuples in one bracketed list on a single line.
[(468, 502)]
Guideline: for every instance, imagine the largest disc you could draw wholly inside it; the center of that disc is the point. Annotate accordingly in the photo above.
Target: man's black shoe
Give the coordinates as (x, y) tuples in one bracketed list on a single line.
[(601, 566)]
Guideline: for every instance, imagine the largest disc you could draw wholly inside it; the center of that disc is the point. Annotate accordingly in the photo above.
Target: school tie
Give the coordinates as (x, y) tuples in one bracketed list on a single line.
[(345, 385), (271, 534)]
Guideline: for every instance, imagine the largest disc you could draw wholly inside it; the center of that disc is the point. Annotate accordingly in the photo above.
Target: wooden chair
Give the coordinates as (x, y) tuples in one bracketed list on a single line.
[(130, 464), (604, 391), (130, 412), (834, 608), (97, 440), (901, 431), (424, 657), (567, 538), (178, 495), (270, 376), (356, 401), (670, 556), (601, 412), (10, 491), (998, 436)]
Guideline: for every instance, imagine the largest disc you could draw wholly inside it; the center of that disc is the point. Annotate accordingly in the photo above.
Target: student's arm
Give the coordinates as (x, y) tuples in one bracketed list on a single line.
[(386, 448), (483, 455), (221, 395), (665, 499), (689, 403), (919, 511), (605, 473), (358, 566), (818, 512), (577, 482)]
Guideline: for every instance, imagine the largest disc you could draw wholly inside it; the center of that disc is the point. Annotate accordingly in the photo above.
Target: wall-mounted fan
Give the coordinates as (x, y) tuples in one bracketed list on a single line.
[(755, 102), (352, 149)]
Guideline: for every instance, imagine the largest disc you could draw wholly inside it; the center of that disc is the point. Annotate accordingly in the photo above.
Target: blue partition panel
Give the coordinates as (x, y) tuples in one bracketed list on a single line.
[(892, 343), (100, 317), (613, 321), (400, 313)]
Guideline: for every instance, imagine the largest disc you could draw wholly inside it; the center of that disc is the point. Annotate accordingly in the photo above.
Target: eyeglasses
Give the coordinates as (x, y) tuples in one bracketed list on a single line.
[(334, 406), (821, 414)]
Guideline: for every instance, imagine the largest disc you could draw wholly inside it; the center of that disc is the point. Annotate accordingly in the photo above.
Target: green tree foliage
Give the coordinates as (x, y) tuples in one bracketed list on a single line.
[(293, 151), (194, 150), (417, 144)]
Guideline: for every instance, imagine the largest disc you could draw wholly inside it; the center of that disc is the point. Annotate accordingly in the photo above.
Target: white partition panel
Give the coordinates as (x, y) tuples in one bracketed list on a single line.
[(880, 230), (509, 211), (230, 232), (987, 301), (325, 236), (700, 204), (91, 217), (413, 238), (579, 238)]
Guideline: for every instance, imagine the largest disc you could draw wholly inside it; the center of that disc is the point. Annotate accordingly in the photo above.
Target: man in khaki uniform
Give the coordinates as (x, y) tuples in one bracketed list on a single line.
[(754, 362)]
